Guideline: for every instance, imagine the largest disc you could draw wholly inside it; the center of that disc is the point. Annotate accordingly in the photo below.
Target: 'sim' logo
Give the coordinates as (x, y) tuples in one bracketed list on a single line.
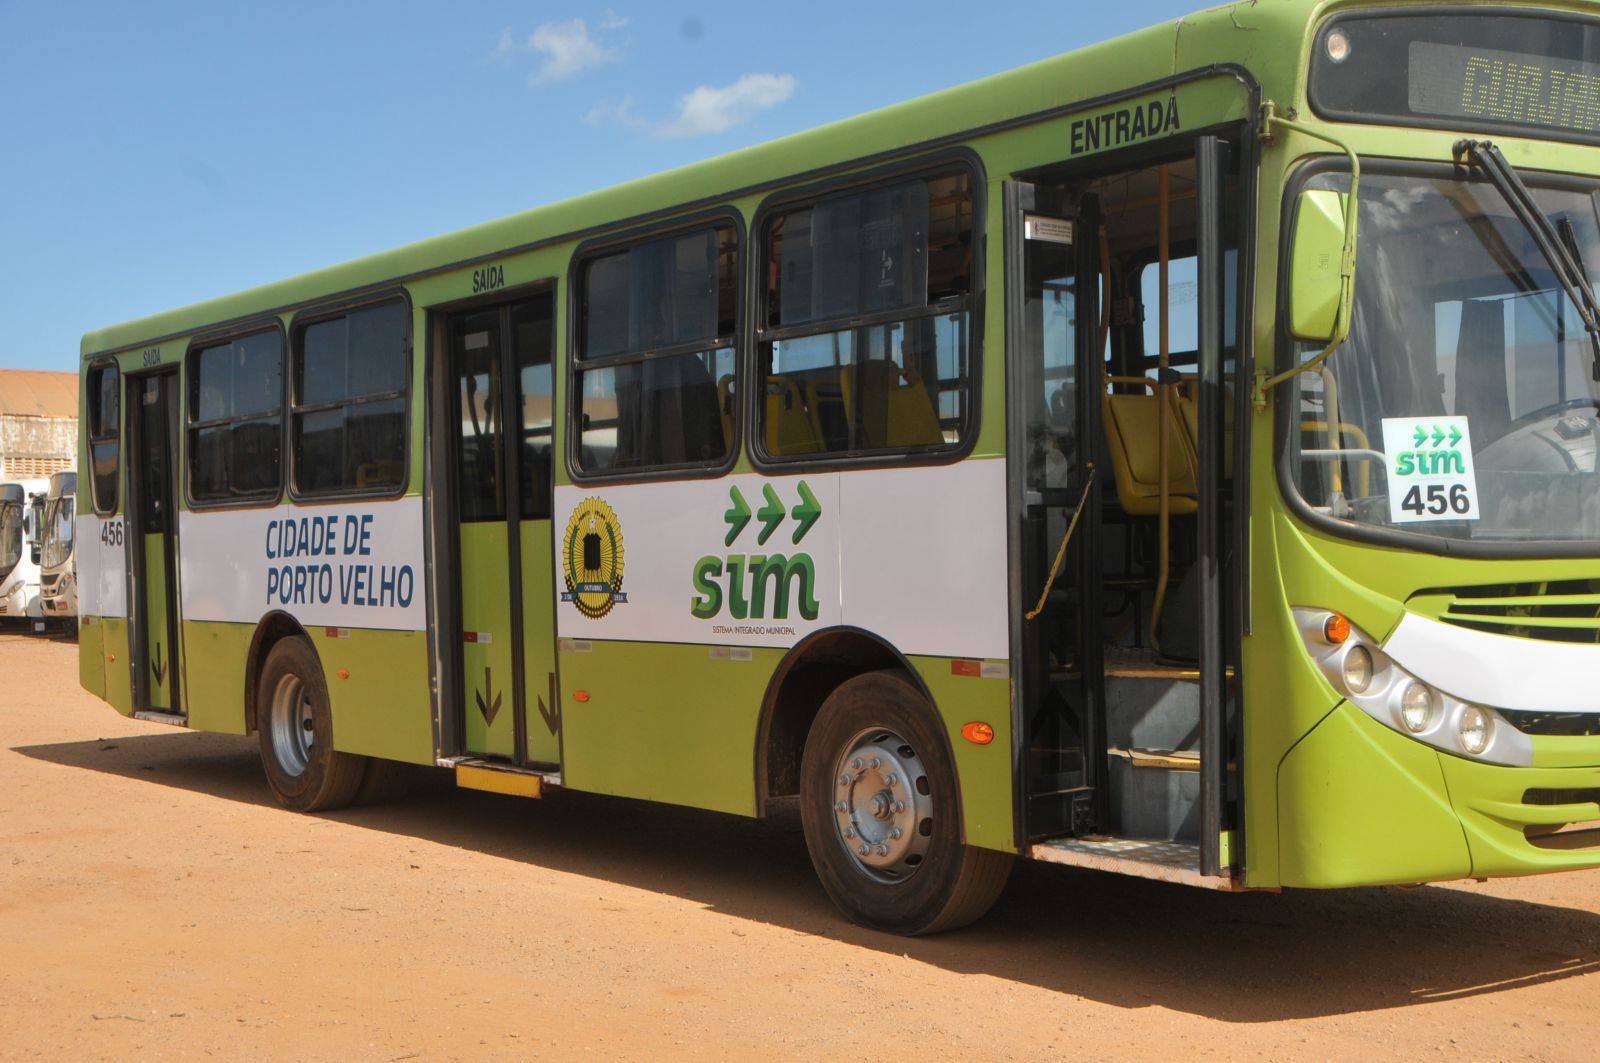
[(760, 586)]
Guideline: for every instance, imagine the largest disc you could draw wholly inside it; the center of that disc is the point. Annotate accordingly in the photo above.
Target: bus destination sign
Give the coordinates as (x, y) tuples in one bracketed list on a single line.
[(1468, 70), (1451, 81)]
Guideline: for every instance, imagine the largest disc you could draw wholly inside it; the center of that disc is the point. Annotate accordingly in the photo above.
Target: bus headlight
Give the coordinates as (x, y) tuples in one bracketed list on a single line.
[(1358, 669), (1416, 707), (1475, 727)]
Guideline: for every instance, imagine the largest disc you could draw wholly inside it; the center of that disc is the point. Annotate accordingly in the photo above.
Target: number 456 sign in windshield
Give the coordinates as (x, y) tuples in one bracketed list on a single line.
[(1429, 462)]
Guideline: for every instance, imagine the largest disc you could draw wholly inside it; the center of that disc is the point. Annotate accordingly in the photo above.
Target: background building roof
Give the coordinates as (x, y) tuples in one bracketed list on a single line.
[(38, 393)]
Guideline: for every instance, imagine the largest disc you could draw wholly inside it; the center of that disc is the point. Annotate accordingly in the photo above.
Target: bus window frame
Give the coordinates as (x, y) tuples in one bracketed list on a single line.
[(326, 312), (576, 365), (203, 341), (1285, 451), (113, 436), (934, 165)]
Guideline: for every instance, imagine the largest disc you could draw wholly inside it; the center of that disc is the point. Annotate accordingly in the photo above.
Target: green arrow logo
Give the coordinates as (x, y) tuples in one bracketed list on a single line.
[(805, 514), (1455, 434), (1438, 435), (770, 515), (737, 517), (1420, 437)]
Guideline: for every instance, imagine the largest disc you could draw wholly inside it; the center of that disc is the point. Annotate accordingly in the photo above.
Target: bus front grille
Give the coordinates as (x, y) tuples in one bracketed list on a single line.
[(1568, 724), (1581, 831), (1562, 611)]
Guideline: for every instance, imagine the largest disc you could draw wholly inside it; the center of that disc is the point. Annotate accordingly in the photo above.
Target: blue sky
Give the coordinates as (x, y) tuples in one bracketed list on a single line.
[(157, 154)]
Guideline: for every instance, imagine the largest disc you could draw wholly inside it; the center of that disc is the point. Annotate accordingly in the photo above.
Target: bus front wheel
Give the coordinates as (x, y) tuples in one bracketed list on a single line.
[(295, 727), (881, 813)]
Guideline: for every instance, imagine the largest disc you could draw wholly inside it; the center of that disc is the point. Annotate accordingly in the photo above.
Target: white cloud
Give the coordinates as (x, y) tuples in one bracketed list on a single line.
[(565, 49), (621, 113), (710, 109), (505, 46)]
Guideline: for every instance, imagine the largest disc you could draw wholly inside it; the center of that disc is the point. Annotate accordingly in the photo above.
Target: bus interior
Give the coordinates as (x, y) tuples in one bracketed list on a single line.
[(1138, 583)]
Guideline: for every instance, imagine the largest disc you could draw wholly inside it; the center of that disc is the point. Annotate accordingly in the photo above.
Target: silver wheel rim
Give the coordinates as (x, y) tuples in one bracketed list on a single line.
[(883, 805), (293, 729)]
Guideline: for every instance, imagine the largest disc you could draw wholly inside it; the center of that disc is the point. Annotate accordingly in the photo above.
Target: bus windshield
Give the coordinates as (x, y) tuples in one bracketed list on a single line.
[(1462, 332), (58, 517), (10, 536)]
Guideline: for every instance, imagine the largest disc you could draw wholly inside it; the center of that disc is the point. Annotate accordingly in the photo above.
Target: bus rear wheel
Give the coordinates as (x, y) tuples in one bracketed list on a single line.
[(881, 814), (295, 728)]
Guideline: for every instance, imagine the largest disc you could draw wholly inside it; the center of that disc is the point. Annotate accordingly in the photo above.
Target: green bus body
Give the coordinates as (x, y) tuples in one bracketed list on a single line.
[(1331, 797)]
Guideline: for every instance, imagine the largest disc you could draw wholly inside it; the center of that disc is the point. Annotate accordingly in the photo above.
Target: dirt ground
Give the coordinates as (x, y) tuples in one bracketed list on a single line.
[(155, 901)]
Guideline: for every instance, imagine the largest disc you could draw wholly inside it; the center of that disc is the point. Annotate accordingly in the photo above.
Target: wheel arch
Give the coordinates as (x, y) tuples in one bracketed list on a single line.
[(270, 630), (813, 669)]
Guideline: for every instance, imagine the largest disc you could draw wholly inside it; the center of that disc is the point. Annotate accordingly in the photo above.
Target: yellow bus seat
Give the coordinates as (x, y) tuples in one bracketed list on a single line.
[(1131, 437), (790, 426), (825, 406), (904, 418), (1189, 417), (1188, 412)]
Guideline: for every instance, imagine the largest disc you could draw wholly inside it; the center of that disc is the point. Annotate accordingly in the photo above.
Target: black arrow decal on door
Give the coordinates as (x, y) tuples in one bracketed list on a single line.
[(491, 708), (159, 667), (552, 713)]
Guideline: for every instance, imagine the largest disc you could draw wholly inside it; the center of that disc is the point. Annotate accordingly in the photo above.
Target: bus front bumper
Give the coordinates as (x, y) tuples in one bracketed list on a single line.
[(1523, 821), (1363, 805)]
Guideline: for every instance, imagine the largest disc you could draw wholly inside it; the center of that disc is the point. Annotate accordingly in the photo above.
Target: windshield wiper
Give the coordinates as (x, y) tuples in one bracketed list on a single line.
[(1561, 255)]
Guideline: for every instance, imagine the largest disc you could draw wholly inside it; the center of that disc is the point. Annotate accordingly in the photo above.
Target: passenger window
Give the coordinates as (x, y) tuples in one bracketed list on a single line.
[(103, 399), (655, 364), (1183, 329), (348, 419), (532, 335), (236, 419), (900, 256)]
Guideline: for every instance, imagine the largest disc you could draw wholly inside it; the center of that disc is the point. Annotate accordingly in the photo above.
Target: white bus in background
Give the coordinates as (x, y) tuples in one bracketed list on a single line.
[(21, 512), (58, 578)]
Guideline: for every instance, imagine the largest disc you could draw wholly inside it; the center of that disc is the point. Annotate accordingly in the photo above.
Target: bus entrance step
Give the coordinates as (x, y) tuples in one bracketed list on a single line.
[(499, 778), (1167, 861), (171, 719)]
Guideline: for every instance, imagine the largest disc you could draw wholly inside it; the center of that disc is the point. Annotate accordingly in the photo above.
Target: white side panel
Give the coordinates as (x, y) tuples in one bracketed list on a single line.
[(1500, 671), (357, 564), (924, 563), (916, 556), (99, 549)]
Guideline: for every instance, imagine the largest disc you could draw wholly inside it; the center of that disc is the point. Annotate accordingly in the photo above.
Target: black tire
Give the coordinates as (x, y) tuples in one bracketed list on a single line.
[(951, 883), (386, 781), (309, 776)]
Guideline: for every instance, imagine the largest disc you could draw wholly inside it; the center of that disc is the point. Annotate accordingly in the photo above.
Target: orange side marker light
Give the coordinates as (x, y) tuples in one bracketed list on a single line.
[(978, 733), (580, 695), (344, 673), (1335, 629)]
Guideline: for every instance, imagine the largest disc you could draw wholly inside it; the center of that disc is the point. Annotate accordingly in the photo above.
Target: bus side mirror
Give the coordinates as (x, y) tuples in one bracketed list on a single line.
[(1314, 261)]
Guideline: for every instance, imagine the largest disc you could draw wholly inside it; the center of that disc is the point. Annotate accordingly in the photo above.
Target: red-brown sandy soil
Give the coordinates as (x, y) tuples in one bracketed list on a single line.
[(154, 901)]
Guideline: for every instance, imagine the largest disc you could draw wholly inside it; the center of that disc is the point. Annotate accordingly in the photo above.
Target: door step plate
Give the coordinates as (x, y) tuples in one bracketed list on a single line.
[(473, 774)]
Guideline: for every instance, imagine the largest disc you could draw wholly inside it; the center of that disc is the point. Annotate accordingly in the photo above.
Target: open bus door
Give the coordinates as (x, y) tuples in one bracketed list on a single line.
[(1053, 418), (1126, 593)]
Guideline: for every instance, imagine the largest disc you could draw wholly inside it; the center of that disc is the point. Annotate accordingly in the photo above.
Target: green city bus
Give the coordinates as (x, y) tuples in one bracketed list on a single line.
[(1175, 458)]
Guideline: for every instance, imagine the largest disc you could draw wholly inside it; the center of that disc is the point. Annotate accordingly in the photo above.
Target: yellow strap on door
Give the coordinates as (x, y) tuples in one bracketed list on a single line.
[(1061, 554)]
